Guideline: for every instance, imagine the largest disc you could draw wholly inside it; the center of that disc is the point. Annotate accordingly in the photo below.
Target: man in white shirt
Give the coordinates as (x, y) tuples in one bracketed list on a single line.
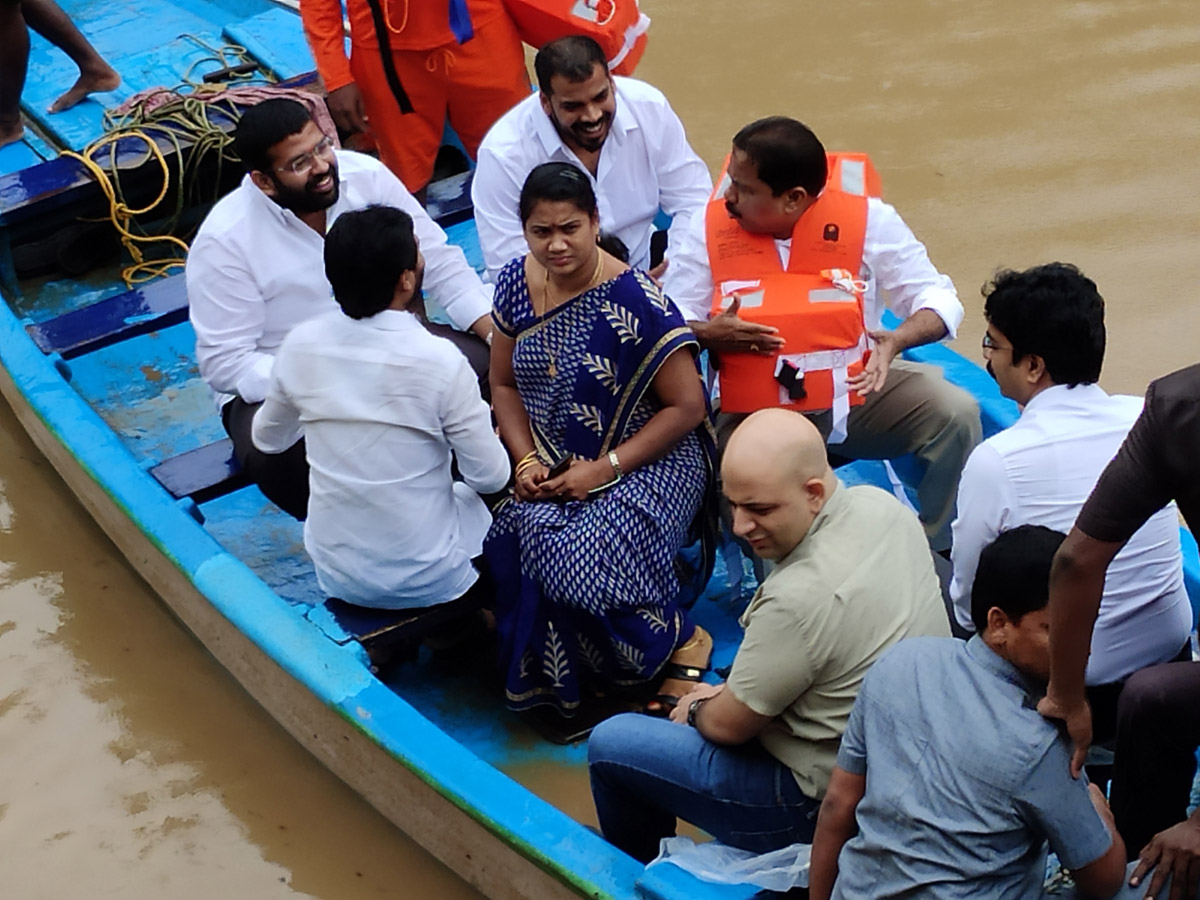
[(255, 271), (1044, 345), (777, 171), (383, 406), (620, 131)]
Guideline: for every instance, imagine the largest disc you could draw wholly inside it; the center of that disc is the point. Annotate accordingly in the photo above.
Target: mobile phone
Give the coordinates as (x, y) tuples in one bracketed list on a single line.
[(559, 466)]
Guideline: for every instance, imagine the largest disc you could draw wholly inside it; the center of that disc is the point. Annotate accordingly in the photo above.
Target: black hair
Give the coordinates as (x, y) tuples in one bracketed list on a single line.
[(366, 252), (1014, 573), (557, 182), (263, 126), (574, 57), (1052, 311), (613, 246), (786, 153)]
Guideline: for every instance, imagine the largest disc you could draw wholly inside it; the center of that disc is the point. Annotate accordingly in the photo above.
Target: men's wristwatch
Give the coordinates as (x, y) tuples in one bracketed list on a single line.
[(693, 708)]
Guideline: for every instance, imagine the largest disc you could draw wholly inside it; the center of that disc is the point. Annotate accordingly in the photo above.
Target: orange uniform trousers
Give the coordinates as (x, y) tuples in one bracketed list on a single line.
[(473, 83)]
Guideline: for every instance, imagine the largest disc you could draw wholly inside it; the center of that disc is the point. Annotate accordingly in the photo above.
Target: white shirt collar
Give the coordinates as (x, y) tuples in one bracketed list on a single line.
[(392, 320), (1059, 396)]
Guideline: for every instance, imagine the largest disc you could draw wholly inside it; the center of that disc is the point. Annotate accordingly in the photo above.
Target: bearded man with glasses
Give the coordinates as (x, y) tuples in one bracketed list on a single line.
[(256, 270)]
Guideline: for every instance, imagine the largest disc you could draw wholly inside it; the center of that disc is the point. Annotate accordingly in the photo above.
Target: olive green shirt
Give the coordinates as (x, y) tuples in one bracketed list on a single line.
[(859, 581)]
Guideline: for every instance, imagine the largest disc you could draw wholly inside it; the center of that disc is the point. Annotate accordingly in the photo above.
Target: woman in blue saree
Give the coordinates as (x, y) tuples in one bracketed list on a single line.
[(598, 398)]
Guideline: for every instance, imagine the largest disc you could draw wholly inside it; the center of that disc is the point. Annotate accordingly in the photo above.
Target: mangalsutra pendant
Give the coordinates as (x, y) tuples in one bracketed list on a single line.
[(553, 370)]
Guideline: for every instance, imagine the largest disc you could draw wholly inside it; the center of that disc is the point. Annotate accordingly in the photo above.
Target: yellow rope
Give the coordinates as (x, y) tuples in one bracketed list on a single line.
[(185, 116), (122, 215)]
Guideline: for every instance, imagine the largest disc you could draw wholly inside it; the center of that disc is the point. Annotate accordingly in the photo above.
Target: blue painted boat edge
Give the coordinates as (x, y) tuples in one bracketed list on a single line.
[(534, 828)]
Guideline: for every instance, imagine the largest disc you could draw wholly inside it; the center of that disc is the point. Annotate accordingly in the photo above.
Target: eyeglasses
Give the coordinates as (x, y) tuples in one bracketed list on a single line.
[(303, 163), (989, 345)]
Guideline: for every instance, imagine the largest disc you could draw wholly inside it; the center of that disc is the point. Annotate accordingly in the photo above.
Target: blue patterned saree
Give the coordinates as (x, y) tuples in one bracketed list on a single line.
[(588, 594)]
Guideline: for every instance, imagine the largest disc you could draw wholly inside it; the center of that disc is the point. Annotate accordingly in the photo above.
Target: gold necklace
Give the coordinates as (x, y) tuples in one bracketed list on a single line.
[(551, 353)]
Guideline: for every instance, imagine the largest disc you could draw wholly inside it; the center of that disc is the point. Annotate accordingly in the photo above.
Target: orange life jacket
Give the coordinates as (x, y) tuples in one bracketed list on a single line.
[(616, 25), (816, 303)]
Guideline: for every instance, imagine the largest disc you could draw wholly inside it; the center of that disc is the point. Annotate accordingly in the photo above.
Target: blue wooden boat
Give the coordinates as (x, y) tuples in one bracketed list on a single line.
[(104, 379)]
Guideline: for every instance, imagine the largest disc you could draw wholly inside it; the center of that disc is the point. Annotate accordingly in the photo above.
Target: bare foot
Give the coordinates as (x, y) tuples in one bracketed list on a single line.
[(105, 79), (10, 134), (696, 652)]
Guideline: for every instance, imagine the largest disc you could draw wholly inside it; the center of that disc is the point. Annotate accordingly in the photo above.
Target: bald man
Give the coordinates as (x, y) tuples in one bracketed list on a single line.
[(749, 760)]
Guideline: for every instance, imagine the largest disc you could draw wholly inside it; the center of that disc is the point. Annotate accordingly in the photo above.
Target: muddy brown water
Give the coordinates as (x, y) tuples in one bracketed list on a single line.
[(1007, 132)]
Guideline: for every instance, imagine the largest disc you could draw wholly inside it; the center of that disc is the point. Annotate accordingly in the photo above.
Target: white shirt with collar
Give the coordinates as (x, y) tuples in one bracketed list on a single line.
[(381, 404), (255, 271), (895, 266), (1039, 472), (645, 164)]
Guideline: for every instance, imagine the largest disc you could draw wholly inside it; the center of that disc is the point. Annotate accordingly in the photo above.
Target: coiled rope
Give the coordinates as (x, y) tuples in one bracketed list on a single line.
[(181, 118)]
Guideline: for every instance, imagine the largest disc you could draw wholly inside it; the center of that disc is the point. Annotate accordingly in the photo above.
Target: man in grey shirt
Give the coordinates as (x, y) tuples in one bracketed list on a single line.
[(948, 782)]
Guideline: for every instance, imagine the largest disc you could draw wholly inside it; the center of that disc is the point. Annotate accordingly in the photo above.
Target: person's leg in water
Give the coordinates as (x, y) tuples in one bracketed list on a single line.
[(14, 57), (47, 19)]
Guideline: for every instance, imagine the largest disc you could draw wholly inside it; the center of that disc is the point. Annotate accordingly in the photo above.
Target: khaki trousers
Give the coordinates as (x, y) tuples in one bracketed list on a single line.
[(918, 412)]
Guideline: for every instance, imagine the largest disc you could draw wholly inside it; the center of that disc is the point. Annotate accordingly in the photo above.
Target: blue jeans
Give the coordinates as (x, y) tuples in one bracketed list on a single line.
[(647, 771)]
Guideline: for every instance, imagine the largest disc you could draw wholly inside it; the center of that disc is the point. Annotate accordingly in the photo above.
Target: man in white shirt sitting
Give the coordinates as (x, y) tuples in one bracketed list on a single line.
[(620, 131), (255, 271), (777, 185), (383, 406), (1044, 345)]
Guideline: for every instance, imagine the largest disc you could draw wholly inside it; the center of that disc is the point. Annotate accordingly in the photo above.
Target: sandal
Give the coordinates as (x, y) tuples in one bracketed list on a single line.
[(668, 702)]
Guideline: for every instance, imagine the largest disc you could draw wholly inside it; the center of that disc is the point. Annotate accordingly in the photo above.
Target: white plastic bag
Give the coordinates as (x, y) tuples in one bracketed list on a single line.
[(779, 870)]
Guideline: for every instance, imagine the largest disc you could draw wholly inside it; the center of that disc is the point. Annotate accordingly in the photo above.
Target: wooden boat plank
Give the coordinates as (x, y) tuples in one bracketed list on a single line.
[(143, 309), (275, 39)]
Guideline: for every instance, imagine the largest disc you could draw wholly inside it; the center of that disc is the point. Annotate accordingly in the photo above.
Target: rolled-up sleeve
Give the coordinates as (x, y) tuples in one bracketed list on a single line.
[(902, 271)]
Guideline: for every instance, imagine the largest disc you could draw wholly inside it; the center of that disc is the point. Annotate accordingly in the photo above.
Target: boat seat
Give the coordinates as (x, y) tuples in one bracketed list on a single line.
[(149, 307), (393, 635), (203, 474)]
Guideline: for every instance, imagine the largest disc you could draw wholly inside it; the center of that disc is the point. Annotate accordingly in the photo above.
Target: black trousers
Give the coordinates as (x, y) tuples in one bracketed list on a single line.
[(1158, 731), (283, 477)]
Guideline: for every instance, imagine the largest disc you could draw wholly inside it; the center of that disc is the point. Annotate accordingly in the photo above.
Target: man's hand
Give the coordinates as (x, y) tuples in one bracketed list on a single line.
[(1173, 853), (347, 108), (727, 333), (1078, 719), (702, 691), (659, 271), (874, 374)]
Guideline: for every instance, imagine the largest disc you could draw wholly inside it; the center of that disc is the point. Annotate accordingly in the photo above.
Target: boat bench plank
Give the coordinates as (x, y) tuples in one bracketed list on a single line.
[(385, 632), (203, 474), (146, 308)]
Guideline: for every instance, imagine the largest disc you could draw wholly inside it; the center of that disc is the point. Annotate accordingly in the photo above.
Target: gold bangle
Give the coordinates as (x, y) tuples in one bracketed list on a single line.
[(525, 466)]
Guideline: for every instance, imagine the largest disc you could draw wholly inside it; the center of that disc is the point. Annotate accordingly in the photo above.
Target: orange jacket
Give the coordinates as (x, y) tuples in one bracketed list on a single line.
[(414, 25), (618, 26), (816, 303)]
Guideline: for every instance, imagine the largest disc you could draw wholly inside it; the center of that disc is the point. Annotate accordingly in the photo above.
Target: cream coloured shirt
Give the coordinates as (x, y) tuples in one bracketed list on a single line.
[(861, 580)]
